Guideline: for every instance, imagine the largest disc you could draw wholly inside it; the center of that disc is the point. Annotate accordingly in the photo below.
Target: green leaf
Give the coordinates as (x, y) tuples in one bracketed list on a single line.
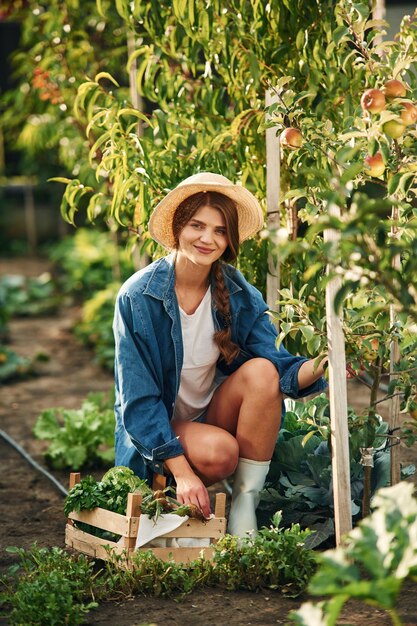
[(106, 75), (406, 181), (47, 425), (340, 33), (351, 172), (135, 113), (59, 179), (393, 183)]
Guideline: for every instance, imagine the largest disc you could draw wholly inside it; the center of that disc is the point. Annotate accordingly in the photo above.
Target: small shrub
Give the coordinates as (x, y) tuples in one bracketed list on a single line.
[(95, 327), (88, 261)]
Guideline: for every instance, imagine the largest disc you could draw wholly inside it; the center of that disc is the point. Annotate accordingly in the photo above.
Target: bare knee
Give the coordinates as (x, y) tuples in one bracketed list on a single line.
[(223, 458), (261, 376)]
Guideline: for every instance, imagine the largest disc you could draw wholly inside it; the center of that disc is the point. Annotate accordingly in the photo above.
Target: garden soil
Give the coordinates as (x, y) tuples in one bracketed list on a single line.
[(31, 506)]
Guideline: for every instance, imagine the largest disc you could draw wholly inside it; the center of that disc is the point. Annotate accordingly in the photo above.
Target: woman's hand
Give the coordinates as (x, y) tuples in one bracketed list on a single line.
[(190, 488)]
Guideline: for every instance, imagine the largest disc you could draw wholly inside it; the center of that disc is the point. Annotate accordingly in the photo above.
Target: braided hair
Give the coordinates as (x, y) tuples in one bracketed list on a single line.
[(183, 214)]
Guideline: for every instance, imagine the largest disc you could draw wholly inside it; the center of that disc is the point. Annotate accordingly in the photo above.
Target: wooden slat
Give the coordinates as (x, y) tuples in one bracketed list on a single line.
[(107, 520), (75, 478), (98, 548), (88, 543), (183, 555), (194, 528), (220, 505), (134, 501)]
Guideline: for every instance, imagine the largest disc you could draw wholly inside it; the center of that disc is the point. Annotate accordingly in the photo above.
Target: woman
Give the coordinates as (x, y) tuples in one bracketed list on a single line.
[(199, 380)]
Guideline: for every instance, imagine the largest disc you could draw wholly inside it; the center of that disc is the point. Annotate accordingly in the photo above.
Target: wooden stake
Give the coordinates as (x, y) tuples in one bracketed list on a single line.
[(338, 401), (140, 260), (394, 408), (272, 203), (135, 96)]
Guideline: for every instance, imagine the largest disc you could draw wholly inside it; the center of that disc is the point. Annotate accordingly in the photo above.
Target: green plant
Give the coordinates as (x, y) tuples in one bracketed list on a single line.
[(95, 326), (59, 46), (371, 565), (300, 478), (89, 260), (12, 365), (275, 558), (152, 576), (109, 493), (22, 296), (79, 437), (48, 588)]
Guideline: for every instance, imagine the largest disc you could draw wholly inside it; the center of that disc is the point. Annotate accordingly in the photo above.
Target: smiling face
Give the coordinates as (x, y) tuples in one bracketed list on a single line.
[(203, 239), (205, 228)]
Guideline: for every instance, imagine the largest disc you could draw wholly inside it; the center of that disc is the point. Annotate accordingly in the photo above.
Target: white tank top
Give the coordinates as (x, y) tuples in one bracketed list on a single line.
[(198, 375)]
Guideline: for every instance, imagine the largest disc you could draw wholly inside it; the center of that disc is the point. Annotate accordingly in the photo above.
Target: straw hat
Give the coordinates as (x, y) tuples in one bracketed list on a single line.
[(250, 216)]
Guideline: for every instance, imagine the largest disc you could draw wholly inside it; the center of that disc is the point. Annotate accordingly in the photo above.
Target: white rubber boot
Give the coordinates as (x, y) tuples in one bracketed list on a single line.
[(248, 481)]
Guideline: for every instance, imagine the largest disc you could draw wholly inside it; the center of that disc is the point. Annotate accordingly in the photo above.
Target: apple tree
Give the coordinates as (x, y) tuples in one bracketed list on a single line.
[(61, 44)]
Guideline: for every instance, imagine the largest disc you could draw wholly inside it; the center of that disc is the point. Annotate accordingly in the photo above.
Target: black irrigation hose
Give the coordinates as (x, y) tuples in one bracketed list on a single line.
[(32, 462)]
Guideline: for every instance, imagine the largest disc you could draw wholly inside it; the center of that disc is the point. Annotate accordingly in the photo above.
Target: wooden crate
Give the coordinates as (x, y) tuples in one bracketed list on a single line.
[(127, 527)]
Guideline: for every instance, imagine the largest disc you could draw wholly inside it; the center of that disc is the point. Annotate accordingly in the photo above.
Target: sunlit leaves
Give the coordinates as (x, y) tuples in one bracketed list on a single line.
[(374, 561)]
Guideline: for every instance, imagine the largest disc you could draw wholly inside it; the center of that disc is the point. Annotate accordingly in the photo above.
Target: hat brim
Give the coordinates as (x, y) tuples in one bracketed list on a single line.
[(250, 214)]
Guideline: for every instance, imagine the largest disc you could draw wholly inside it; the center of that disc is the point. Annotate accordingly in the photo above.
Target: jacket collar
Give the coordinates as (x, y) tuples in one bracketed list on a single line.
[(161, 281)]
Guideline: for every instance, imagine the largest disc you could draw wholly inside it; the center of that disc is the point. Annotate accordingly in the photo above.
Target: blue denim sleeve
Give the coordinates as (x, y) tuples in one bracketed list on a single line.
[(261, 341), (140, 409)]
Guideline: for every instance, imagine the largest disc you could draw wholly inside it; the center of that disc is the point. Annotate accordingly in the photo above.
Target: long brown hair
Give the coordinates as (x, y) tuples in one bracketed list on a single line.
[(185, 211)]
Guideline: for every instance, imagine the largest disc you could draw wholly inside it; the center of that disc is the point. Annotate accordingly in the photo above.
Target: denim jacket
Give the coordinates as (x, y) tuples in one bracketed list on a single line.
[(149, 356)]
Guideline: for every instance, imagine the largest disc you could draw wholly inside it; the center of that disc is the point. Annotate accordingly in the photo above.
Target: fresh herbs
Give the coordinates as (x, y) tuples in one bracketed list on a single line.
[(112, 491)]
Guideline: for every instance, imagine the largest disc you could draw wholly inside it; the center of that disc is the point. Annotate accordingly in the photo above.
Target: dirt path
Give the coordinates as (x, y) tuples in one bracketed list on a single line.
[(31, 507)]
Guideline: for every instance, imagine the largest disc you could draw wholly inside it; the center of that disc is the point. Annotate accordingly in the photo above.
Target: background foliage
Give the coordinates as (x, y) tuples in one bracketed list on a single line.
[(203, 70)]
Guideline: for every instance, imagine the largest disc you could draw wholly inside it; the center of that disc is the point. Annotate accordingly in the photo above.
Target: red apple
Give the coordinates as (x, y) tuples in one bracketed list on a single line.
[(291, 138), (394, 128), (373, 100), (395, 89), (375, 165), (370, 348), (409, 113)]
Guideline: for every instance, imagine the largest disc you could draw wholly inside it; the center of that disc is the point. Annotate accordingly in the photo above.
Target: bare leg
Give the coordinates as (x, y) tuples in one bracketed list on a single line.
[(211, 451), (240, 432), (248, 405)]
